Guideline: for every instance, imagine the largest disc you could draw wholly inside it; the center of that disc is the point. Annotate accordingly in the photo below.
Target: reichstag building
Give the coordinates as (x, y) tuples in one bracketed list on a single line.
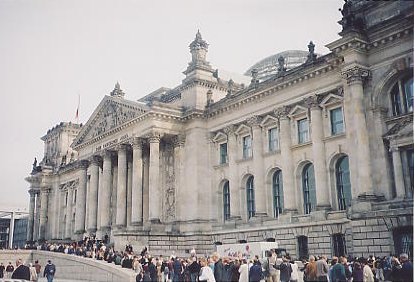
[(315, 152)]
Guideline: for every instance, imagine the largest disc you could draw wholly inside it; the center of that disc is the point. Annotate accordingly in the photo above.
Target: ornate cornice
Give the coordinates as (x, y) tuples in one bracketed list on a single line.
[(312, 102), (229, 129), (356, 74)]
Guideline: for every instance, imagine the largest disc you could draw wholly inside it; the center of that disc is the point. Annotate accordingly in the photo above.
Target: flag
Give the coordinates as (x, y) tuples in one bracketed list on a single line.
[(77, 109)]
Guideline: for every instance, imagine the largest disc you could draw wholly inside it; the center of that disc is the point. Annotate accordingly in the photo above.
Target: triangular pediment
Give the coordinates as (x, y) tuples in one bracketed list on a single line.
[(111, 113), (298, 110), (331, 99), (269, 121), (402, 128), (219, 137), (242, 129)]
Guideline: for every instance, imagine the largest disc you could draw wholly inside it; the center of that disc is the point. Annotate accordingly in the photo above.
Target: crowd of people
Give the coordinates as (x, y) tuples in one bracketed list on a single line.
[(273, 268), (30, 272)]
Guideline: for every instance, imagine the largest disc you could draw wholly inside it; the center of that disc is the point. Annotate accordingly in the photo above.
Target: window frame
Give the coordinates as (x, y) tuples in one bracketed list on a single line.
[(246, 150), (273, 143), (307, 196), (342, 201), (277, 198), (226, 201), (306, 132), (399, 97), (332, 124), (223, 159), (250, 197)]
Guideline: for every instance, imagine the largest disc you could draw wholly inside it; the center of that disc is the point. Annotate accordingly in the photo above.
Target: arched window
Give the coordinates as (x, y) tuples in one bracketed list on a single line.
[(309, 189), (402, 96), (277, 193), (344, 191), (226, 201), (250, 197)]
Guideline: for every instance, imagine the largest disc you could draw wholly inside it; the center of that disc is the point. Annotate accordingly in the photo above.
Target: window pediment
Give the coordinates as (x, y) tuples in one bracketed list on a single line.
[(243, 129), (220, 137), (298, 111), (331, 100), (269, 121)]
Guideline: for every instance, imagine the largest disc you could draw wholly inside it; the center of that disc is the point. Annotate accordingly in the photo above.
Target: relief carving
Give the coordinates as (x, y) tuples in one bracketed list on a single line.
[(169, 180)]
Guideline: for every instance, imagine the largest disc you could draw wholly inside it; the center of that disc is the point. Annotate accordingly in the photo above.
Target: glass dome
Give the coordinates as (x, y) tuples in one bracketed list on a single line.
[(268, 67)]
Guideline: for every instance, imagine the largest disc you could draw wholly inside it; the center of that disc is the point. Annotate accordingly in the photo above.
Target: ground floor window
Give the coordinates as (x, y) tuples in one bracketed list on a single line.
[(339, 244), (403, 240), (302, 242)]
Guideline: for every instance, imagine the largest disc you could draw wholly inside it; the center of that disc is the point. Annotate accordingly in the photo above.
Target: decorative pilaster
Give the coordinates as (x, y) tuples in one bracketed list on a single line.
[(106, 190), (319, 154), (178, 143), (31, 216), (290, 194), (154, 174), (259, 190), (233, 174), (68, 227), (81, 198), (43, 213), (137, 188), (398, 173), (121, 218), (93, 195)]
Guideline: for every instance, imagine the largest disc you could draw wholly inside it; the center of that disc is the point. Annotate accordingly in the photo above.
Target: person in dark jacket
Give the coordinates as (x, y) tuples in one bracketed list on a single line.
[(219, 269), (194, 269), (255, 272), (285, 270), (21, 271), (177, 270), (50, 270), (357, 273), (152, 270)]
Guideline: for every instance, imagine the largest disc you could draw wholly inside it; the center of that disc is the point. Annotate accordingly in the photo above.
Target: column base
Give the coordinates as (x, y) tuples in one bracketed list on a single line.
[(325, 207), (137, 223), (155, 221), (290, 212), (235, 218), (91, 231)]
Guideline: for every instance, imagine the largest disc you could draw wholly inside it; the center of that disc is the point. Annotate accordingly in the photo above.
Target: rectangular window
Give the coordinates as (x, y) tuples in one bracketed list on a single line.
[(247, 147), (223, 153), (396, 101), (302, 242), (339, 245), (273, 140), (336, 119), (403, 240), (303, 131)]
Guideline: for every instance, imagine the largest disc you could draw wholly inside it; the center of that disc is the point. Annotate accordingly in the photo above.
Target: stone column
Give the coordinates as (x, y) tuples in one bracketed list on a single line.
[(93, 195), (106, 192), (178, 143), (259, 175), (31, 220), (398, 173), (154, 189), (234, 184), (355, 77), (129, 189), (289, 192), (121, 218), (319, 154), (43, 213), (137, 185), (81, 198), (37, 217), (68, 228)]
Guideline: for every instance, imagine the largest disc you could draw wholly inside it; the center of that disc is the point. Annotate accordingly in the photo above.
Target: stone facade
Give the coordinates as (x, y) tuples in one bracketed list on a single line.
[(318, 157)]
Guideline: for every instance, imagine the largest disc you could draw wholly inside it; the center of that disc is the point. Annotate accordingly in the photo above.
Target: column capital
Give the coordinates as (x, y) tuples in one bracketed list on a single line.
[(179, 140), (254, 121), (107, 154), (312, 102), (356, 74), (154, 137), (136, 142), (282, 112), (95, 160), (229, 129), (83, 164)]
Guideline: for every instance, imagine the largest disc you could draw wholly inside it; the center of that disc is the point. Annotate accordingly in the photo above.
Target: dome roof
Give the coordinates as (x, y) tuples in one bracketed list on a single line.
[(268, 67)]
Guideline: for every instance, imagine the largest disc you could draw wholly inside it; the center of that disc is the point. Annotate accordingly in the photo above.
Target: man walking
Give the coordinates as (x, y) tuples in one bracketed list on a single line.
[(322, 269), (21, 271), (49, 272)]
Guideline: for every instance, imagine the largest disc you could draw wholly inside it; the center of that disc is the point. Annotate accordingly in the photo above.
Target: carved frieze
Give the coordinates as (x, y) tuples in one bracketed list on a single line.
[(282, 112)]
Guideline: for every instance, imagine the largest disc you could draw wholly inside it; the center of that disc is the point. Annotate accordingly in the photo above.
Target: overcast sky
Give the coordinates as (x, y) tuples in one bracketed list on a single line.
[(53, 51)]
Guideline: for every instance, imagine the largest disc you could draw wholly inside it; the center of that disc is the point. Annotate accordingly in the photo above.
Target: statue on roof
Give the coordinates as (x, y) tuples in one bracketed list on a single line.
[(311, 57), (349, 20), (198, 42), (117, 92), (281, 66), (254, 80)]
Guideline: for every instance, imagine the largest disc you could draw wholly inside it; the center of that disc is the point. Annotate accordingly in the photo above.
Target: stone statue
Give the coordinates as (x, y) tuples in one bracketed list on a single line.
[(311, 57)]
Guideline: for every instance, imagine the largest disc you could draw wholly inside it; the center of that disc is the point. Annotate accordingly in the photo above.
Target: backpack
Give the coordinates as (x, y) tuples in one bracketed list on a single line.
[(51, 269)]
